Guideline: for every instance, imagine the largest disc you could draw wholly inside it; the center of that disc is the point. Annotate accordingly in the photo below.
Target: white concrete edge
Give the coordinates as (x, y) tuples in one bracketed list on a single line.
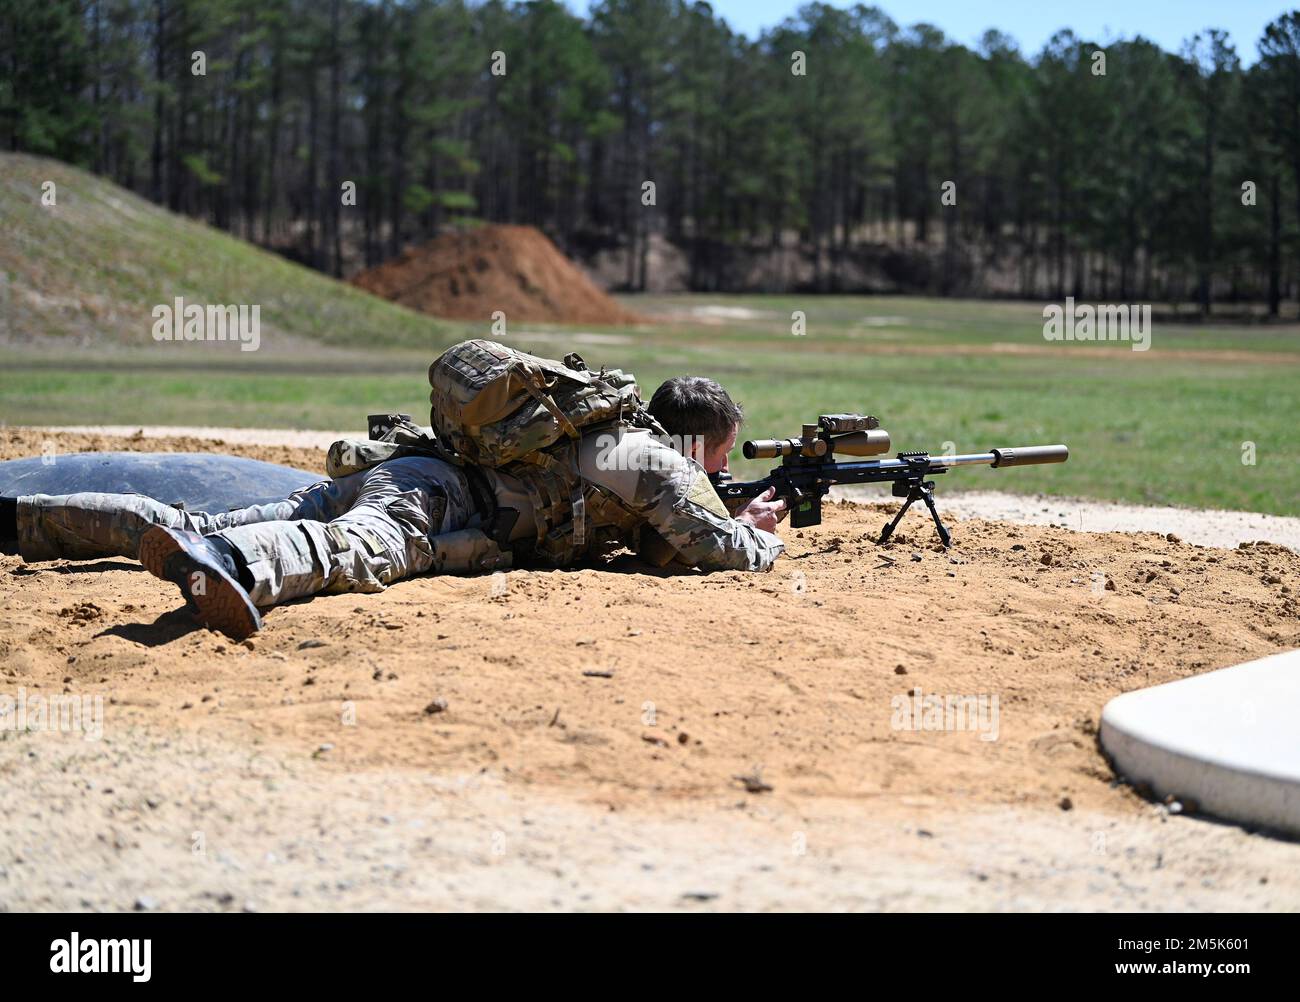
[(1221, 783)]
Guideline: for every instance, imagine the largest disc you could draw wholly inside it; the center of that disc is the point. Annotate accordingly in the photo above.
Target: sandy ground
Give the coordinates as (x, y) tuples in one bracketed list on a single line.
[(616, 739), (104, 437)]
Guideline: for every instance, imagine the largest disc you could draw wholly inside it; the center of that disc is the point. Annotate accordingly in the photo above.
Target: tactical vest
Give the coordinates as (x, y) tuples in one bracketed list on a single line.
[(494, 406)]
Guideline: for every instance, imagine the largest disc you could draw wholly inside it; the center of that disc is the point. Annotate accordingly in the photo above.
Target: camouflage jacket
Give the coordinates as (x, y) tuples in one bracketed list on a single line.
[(615, 487), (674, 502)]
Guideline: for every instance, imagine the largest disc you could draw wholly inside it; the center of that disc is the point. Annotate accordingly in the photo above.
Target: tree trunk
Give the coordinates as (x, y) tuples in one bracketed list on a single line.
[(160, 20), (334, 186), (1275, 246)]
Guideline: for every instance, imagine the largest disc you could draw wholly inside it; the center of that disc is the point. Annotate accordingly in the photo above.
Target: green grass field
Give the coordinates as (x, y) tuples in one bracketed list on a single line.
[(1165, 426)]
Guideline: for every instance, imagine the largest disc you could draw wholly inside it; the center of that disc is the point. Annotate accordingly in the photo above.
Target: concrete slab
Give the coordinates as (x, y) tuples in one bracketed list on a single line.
[(1228, 740)]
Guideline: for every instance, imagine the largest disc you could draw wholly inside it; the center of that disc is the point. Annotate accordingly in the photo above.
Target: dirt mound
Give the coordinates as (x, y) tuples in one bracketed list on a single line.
[(470, 274), (20, 443)]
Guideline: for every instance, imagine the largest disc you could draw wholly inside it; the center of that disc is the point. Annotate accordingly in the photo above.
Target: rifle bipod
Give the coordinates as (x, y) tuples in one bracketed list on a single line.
[(915, 489)]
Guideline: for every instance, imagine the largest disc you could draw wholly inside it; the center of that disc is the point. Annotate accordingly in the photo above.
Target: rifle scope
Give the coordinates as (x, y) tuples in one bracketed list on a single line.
[(814, 446)]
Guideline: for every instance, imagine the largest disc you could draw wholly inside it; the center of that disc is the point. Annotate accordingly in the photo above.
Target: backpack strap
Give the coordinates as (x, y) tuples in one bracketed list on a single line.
[(579, 517), (547, 401), (566, 472), (480, 492)]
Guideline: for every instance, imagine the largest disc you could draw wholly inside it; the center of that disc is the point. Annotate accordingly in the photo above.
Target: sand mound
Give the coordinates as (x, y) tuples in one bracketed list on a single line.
[(471, 273)]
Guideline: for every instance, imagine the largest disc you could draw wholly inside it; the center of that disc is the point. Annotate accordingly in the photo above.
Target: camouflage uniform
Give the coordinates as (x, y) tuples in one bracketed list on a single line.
[(364, 530), (671, 494), (355, 533)]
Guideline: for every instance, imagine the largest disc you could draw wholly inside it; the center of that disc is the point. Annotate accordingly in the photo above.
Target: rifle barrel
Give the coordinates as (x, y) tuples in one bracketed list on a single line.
[(1029, 455), (886, 470), (969, 459)]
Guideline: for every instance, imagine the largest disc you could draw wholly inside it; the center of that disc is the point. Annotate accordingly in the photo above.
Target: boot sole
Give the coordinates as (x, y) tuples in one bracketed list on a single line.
[(223, 605)]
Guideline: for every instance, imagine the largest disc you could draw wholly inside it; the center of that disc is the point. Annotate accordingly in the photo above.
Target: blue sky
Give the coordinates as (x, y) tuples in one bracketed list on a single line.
[(1032, 22)]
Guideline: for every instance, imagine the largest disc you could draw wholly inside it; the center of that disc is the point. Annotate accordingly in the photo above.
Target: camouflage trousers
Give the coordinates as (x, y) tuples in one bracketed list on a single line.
[(358, 533)]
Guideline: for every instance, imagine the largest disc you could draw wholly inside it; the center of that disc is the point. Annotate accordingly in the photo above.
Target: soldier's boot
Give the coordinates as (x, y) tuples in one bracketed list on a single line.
[(205, 570)]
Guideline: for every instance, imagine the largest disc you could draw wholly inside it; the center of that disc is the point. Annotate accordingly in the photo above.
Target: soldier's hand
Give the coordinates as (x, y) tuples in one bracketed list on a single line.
[(763, 512)]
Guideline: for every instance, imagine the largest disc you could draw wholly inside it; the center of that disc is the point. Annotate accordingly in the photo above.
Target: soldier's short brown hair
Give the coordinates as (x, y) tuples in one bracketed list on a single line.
[(696, 406)]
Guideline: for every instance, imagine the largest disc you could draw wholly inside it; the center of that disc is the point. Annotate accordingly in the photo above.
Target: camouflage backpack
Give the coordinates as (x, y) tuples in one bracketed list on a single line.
[(495, 405), (500, 407)]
